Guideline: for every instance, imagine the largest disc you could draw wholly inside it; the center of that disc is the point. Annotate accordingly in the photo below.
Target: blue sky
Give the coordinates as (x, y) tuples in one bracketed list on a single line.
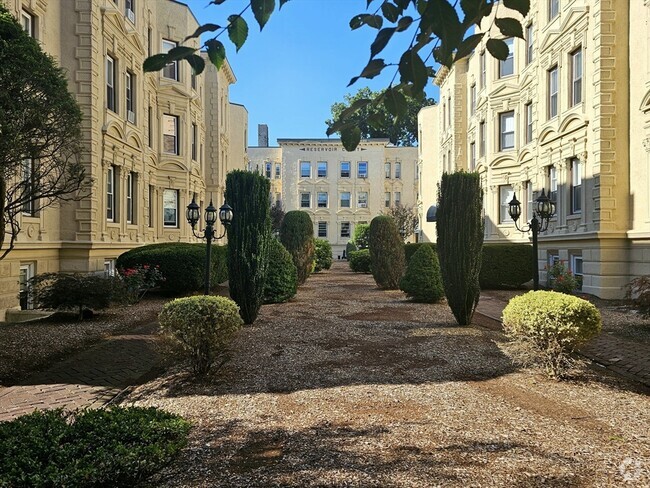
[(290, 74)]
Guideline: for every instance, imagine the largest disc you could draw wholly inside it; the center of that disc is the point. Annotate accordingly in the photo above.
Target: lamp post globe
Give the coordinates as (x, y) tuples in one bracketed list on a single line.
[(193, 213), (225, 214), (514, 208)]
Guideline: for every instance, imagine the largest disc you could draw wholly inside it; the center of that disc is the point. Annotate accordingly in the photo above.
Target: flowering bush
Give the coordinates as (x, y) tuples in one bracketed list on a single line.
[(139, 280), (561, 279)]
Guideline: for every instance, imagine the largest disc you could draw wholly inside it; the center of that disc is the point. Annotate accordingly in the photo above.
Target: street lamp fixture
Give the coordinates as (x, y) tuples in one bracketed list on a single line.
[(543, 211), (225, 216)]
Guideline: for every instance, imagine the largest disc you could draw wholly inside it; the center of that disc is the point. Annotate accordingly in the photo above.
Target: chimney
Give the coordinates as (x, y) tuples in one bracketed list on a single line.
[(262, 135)]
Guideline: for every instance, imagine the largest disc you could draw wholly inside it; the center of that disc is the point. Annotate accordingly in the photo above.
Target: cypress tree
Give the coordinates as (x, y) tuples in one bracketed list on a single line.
[(460, 241), (249, 238), (387, 260), (297, 236)]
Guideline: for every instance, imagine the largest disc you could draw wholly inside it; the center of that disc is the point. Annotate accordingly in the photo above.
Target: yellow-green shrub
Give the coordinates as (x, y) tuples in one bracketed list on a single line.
[(549, 326), (360, 261), (203, 326)]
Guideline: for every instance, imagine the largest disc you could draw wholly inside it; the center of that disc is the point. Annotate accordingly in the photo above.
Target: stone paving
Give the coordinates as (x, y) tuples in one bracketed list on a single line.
[(624, 357)]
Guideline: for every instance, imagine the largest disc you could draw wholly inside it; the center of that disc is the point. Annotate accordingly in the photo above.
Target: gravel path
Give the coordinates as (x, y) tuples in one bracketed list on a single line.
[(349, 385)]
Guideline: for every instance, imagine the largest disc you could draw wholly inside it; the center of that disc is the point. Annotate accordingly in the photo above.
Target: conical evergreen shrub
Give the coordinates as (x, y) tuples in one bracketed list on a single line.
[(386, 253), (281, 277), (249, 238), (297, 236), (460, 241), (423, 281)]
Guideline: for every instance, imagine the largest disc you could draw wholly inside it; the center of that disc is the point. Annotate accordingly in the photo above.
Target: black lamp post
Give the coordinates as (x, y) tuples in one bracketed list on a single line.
[(225, 216), (544, 209)]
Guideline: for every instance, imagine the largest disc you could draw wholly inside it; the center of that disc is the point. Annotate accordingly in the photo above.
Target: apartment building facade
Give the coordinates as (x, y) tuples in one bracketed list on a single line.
[(147, 137), (564, 114)]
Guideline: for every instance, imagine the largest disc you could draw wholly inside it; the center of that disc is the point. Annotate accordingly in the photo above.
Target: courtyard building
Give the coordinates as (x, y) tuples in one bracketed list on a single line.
[(151, 141)]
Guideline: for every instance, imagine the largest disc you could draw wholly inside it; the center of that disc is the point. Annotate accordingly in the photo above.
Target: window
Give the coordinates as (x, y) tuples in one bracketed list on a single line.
[(345, 229), (171, 70), (552, 184), (362, 169), (398, 170), (387, 199), (305, 169), (552, 92), (507, 67), (483, 69), (472, 109), (322, 229), (305, 200), (529, 200), (268, 170), (28, 23), (481, 140), (129, 7), (130, 97), (505, 196), (149, 126), (130, 191), (444, 116), (398, 197), (322, 169), (345, 169), (362, 199), (193, 79), (110, 84), (552, 258), (529, 44), (149, 37), (195, 136), (322, 199), (576, 77), (529, 122), (345, 199), (151, 198), (576, 186), (507, 130), (472, 156), (277, 171), (26, 274), (387, 170), (449, 112), (28, 186), (170, 208), (110, 194), (109, 267), (170, 134), (553, 9), (576, 268)]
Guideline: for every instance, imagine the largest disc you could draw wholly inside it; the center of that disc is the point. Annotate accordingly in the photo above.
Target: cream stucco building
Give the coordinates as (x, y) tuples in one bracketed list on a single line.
[(152, 141), (567, 112), (339, 189)]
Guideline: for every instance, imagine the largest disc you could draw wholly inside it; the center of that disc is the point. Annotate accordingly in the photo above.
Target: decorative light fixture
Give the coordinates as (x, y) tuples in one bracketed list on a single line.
[(225, 216), (545, 210)]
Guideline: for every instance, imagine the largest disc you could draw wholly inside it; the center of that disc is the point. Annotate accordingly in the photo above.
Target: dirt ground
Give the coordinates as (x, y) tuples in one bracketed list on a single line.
[(351, 386)]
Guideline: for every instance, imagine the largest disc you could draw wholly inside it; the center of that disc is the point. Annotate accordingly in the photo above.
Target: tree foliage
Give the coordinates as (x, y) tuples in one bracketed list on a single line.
[(422, 281), (361, 236), (40, 131), (282, 277), (438, 33), (405, 217), (460, 241), (277, 216), (249, 238), (376, 121), (297, 236), (387, 260)]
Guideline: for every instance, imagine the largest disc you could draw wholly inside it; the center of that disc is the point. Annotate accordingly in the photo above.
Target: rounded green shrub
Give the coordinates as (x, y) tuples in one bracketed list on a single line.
[(361, 236), (386, 253), (322, 255), (203, 326), (423, 281), (119, 446), (297, 236), (548, 326), (281, 277), (182, 265), (360, 261), (349, 248), (411, 248)]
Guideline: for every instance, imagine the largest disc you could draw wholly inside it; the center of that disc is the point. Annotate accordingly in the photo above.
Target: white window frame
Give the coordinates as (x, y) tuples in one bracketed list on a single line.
[(362, 199), (472, 95), (553, 91), (130, 96), (129, 10), (318, 199), (195, 137), (321, 165), (553, 9), (506, 192), (530, 52), (305, 165), (387, 170), (552, 184), (472, 156), (387, 199), (278, 171), (305, 202), (26, 273), (322, 229), (397, 197), (111, 94), (483, 68), (110, 193), (574, 259), (576, 186), (529, 200), (28, 23), (398, 170), (345, 173), (109, 267), (28, 176), (506, 119), (507, 66), (528, 112), (362, 169), (170, 203), (346, 225), (130, 200), (342, 200), (267, 169), (170, 121), (576, 77), (481, 138), (170, 72)]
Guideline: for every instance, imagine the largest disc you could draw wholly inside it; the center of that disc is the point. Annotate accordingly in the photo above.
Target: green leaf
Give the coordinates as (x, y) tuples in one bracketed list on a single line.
[(155, 62), (403, 4), (468, 45), (356, 106), (380, 42), (510, 27), (340, 125), (217, 2), (237, 30), (521, 6), (390, 11), (376, 120), (373, 68), (351, 137), (498, 49), (216, 52), (196, 62), (374, 21), (470, 8), (262, 10), (282, 2), (412, 68), (202, 29), (395, 102), (179, 52), (404, 23)]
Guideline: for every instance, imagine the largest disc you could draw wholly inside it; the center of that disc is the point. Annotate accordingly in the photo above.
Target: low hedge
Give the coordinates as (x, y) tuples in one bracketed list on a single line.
[(118, 447), (182, 265), (360, 261)]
